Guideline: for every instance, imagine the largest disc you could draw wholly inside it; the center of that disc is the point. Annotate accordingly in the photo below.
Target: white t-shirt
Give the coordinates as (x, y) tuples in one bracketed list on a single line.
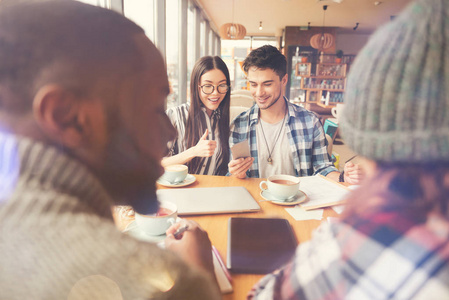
[(281, 155)]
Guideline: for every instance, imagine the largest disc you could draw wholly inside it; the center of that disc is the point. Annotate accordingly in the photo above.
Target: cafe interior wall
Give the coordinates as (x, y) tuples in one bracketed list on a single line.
[(350, 43)]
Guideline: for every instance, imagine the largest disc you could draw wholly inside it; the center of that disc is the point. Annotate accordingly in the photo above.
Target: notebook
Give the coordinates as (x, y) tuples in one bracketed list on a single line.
[(214, 200), (259, 246), (221, 273)]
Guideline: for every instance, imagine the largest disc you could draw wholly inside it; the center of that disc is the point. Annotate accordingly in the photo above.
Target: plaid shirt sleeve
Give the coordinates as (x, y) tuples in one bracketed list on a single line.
[(385, 256), (307, 135), (304, 277)]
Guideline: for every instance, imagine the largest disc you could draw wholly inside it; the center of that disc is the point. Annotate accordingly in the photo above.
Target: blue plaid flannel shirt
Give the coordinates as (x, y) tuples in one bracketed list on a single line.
[(305, 134), (377, 255)]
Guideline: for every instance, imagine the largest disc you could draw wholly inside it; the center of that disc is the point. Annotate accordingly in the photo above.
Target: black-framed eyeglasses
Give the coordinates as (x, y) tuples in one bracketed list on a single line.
[(209, 88)]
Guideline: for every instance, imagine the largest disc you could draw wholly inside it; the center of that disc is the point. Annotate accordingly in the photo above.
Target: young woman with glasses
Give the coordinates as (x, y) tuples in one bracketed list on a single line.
[(203, 125)]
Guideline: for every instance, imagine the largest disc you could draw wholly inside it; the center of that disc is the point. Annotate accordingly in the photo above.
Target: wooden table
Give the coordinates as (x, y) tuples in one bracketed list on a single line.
[(216, 225)]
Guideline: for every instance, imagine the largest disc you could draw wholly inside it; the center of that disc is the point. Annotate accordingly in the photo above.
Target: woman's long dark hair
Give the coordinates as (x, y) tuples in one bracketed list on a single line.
[(193, 130)]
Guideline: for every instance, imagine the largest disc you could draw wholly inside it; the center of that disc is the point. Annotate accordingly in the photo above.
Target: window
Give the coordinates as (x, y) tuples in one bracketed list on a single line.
[(179, 29), (102, 3), (234, 52), (211, 43), (172, 49), (202, 38), (191, 42)]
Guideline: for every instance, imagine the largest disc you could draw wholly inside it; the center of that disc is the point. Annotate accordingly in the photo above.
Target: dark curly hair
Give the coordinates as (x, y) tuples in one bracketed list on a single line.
[(266, 57)]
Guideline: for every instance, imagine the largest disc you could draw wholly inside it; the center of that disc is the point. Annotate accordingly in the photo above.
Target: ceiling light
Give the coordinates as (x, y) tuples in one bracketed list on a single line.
[(232, 31), (327, 1), (260, 25), (322, 41)]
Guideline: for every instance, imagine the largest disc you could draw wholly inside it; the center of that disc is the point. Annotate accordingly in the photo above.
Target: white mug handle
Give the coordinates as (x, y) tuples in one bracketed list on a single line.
[(171, 221), (262, 188), (334, 112)]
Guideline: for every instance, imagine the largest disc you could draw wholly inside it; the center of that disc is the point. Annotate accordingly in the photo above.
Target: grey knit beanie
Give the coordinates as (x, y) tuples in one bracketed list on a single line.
[(396, 102)]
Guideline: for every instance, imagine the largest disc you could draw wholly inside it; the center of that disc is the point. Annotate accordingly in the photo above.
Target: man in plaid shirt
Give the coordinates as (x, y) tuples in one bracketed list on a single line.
[(392, 241), (284, 138)]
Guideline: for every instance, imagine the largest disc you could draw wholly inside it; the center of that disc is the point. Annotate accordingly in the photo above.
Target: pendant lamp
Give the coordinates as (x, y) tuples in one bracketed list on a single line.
[(232, 31), (322, 41)]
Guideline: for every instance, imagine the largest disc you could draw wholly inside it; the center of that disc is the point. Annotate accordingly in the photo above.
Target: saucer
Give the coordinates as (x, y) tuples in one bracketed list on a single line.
[(189, 180), (133, 230), (298, 198)]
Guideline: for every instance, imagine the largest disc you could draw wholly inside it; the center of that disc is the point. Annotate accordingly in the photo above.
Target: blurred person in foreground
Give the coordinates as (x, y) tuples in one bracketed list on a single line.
[(82, 128), (393, 239)]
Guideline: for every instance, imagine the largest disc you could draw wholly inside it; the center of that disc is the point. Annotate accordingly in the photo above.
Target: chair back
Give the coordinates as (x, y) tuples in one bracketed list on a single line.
[(234, 111), (242, 92), (242, 100)]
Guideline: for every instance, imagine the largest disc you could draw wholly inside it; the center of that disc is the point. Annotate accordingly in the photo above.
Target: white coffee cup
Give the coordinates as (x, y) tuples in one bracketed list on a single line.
[(337, 110), (158, 223), (281, 186), (175, 173)]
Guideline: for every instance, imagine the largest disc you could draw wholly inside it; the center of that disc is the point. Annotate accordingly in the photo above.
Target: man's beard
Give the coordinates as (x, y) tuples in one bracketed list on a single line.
[(129, 176), (274, 102)]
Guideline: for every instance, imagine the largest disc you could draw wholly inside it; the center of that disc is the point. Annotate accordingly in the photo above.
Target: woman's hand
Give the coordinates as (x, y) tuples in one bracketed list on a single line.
[(205, 147)]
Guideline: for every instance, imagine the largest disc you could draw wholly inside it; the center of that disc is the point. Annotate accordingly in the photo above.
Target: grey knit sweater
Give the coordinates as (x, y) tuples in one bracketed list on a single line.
[(58, 239)]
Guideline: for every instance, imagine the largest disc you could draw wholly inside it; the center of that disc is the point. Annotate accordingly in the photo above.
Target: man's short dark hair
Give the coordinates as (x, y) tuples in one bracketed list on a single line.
[(266, 57), (60, 42)]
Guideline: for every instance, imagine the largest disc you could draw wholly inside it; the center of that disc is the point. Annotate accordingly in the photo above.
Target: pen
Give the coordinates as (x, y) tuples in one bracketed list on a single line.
[(220, 261), (180, 231), (350, 159)]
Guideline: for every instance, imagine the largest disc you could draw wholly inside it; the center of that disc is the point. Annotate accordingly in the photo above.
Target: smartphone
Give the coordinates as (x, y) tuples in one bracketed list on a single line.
[(241, 150)]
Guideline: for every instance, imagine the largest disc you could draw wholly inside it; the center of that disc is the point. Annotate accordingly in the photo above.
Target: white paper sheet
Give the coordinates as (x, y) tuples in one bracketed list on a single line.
[(300, 214), (322, 192)]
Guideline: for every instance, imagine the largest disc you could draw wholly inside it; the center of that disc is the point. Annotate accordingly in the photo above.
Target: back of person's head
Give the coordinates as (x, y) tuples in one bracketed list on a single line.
[(60, 42), (397, 103), (266, 57)]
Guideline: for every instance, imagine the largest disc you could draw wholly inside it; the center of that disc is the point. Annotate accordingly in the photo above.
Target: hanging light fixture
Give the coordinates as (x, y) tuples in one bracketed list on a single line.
[(260, 25), (322, 41), (232, 31)]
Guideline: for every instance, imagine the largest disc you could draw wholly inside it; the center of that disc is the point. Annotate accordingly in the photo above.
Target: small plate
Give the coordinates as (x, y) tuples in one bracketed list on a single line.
[(189, 180), (298, 198)]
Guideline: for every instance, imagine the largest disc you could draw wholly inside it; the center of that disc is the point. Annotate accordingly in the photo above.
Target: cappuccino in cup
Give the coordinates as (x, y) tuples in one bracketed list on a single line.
[(175, 173)]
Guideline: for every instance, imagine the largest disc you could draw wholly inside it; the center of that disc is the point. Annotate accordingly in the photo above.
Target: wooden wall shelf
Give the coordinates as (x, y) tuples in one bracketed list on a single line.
[(329, 78)]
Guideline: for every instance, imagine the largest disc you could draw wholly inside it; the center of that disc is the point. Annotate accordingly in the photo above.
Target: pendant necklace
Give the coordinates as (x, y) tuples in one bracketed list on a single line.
[(269, 159)]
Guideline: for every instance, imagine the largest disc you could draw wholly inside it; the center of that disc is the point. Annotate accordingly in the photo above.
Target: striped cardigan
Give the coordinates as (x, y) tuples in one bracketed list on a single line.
[(178, 116)]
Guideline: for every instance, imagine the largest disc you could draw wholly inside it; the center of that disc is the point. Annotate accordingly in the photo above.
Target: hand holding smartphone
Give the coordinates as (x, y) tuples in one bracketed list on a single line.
[(240, 150)]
